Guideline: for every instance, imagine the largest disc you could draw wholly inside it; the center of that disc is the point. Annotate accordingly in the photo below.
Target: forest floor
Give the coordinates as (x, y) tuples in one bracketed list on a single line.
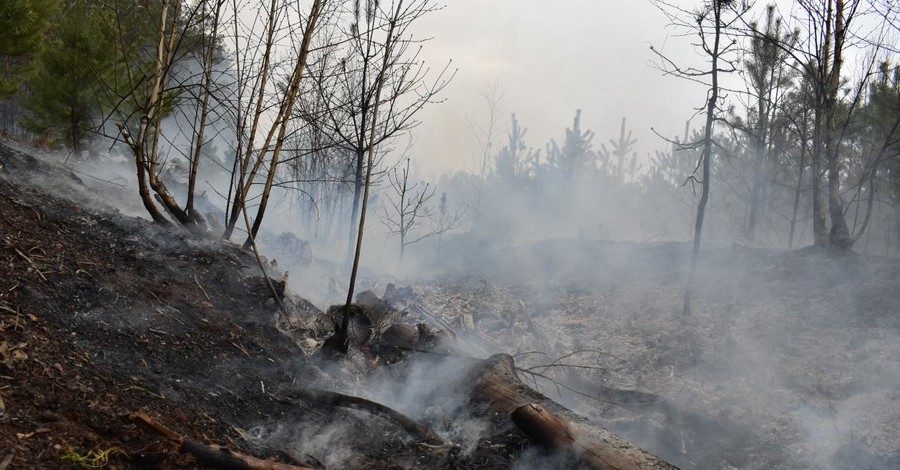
[(789, 359)]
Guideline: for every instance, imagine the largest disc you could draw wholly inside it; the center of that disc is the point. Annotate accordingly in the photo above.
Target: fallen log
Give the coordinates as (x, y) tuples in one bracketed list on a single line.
[(551, 424), (211, 455)]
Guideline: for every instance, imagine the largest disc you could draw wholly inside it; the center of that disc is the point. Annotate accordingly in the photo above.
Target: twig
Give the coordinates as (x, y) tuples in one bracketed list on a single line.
[(30, 262), (241, 347), (3, 306), (632, 397), (160, 311), (557, 362), (11, 224), (201, 288), (142, 389)]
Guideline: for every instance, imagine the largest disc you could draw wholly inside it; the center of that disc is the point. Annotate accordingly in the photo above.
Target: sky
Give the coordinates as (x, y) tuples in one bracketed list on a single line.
[(551, 58)]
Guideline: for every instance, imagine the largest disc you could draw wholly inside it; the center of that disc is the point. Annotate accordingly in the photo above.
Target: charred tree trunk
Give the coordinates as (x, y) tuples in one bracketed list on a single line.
[(552, 425)]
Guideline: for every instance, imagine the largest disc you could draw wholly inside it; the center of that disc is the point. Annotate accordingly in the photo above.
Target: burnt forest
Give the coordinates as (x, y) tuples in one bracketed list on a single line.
[(408, 234)]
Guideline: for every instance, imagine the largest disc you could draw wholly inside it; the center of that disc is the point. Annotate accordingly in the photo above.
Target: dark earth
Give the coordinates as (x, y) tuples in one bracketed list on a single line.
[(104, 315)]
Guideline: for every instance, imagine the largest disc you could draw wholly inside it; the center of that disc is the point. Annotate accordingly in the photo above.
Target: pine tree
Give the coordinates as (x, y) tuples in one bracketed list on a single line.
[(22, 26), (576, 156), (71, 74)]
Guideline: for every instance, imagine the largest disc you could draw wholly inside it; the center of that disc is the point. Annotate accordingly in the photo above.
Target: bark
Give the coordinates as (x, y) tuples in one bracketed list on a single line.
[(550, 424)]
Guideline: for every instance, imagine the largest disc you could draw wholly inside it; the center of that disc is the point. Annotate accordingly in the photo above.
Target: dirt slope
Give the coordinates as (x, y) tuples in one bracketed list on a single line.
[(104, 315)]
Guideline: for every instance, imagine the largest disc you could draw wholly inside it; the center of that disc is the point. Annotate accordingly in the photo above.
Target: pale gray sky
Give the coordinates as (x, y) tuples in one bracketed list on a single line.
[(552, 58)]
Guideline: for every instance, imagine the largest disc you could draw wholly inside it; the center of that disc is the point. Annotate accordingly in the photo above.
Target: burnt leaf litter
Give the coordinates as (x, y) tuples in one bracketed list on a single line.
[(789, 361)]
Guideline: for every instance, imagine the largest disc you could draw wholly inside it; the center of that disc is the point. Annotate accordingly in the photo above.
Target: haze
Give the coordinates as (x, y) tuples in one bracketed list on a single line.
[(552, 60)]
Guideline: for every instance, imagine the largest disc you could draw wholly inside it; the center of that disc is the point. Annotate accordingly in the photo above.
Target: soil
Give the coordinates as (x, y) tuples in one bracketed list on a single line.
[(788, 360), (103, 315)]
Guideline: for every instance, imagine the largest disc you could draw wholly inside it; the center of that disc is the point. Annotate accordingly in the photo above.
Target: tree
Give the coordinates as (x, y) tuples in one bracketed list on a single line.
[(619, 149), (22, 27), (371, 83), (769, 79), (820, 58), (515, 157), (154, 88), (711, 26), (575, 158), (390, 42), (407, 208), (66, 97), (836, 19)]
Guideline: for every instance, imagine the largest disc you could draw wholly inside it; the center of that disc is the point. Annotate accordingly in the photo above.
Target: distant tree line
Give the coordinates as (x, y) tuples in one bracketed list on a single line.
[(804, 150), (246, 98)]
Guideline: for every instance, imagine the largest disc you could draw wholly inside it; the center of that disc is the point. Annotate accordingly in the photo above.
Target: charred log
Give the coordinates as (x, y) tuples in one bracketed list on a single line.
[(551, 424)]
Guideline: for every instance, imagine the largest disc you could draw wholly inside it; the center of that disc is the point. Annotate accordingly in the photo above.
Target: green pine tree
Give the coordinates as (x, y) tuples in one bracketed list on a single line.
[(22, 27), (72, 76)]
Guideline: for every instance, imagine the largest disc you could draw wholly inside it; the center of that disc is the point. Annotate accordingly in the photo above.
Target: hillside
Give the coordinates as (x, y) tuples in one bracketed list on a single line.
[(789, 360)]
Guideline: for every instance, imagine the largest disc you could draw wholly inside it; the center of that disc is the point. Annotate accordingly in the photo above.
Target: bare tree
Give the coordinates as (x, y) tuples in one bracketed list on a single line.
[(371, 85), (260, 107), (407, 209), (154, 86), (152, 101), (485, 134), (711, 26)]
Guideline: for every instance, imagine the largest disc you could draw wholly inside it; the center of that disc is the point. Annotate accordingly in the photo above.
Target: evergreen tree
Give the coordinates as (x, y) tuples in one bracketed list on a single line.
[(22, 26), (576, 156), (71, 75)]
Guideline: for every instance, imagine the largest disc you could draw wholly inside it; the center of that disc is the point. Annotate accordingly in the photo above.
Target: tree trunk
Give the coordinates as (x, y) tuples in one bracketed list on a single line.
[(757, 190), (797, 191), (706, 156), (839, 237), (358, 183)]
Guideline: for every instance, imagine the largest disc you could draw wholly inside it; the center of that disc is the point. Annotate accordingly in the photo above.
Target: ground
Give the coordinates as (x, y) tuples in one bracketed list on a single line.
[(105, 315), (788, 360)]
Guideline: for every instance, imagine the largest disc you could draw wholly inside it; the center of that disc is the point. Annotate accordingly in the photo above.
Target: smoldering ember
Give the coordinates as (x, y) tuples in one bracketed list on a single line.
[(294, 235)]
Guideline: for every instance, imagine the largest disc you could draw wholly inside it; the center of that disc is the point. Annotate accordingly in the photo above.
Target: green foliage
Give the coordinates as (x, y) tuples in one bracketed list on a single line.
[(22, 26), (73, 75)]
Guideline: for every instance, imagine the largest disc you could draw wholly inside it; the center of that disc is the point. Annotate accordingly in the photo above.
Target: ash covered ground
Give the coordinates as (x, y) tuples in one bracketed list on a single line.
[(789, 359)]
